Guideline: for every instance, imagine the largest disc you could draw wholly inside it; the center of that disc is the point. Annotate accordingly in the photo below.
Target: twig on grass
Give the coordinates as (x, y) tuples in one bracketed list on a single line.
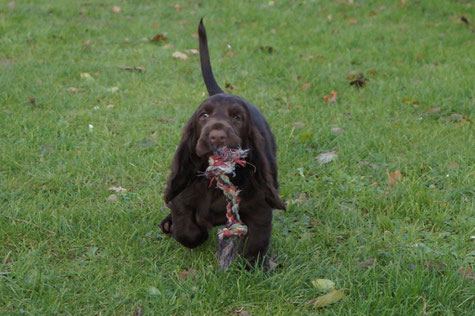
[(52, 233)]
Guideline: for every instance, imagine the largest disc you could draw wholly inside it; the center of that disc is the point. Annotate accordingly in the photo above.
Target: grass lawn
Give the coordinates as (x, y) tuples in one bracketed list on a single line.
[(391, 219)]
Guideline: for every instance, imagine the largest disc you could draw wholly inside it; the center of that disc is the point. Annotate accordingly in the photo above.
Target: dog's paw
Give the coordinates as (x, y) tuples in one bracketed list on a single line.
[(167, 226)]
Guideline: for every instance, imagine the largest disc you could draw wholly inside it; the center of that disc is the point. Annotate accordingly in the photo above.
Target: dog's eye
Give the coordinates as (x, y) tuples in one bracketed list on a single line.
[(236, 117), (204, 115)]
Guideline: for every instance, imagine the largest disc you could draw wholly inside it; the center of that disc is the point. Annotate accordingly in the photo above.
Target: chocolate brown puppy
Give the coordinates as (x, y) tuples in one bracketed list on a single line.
[(222, 120)]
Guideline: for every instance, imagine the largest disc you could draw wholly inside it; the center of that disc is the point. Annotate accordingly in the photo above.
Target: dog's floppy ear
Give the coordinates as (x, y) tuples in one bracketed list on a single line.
[(184, 162), (259, 159)]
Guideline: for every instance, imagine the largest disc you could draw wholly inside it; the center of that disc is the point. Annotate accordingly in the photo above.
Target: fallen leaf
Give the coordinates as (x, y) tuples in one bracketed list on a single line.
[(273, 31), (453, 165), (323, 284), (110, 106), (86, 75), (336, 131), (372, 71), (395, 178), (431, 110), (230, 53), (352, 21), (240, 311), (352, 75), (112, 198), (327, 157), (299, 124), (359, 82), (467, 273), (177, 7), (272, 264), (305, 137), (327, 299), (268, 49), (139, 311), (192, 51), (467, 22), (166, 120), (453, 117), (189, 274), (116, 9), (33, 101), (331, 98), (434, 265), (11, 5), (130, 68), (72, 89), (306, 86), (367, 263), (113, 89), (179, 55), (229, 86), (153, 291), (120, 190), (159, 38)]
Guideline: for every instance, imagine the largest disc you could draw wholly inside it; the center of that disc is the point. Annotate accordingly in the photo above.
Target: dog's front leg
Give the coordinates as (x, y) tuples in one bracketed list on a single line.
[(259, 223)]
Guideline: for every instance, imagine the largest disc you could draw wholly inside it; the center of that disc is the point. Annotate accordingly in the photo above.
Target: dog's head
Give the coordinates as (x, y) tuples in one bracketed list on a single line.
[(221, 120)]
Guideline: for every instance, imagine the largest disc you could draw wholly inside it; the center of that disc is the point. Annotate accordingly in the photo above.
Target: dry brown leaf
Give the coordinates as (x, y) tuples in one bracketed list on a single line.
[(307, 85), (467, 273), (230, 53), (112, 198), (229, 86), (299, 124), (353, 21), (395, 178), (453, 165), (159, 38), (367, 263), (33, 101), (116, 9), (331, 98), (111, 106), (189, 274), (72, 90), (179, 55), (327, 299)]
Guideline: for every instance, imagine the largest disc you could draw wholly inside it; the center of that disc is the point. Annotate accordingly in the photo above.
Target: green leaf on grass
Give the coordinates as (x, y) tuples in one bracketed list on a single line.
[(153, 291), (305, 137), (323, 284), (327, 299)]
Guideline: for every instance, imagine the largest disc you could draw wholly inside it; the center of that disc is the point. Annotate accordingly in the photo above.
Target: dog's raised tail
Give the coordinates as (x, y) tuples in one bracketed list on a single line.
[(210, 82)]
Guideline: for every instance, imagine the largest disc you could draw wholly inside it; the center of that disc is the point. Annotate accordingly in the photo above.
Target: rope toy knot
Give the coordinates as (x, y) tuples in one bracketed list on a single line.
[(221, 164)]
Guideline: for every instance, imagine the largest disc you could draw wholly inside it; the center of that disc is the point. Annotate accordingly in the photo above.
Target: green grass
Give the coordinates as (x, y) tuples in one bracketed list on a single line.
[(109, 257)]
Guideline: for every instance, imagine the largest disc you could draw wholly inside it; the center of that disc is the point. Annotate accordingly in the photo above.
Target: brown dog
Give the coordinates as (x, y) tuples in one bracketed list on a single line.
[(222, 119)]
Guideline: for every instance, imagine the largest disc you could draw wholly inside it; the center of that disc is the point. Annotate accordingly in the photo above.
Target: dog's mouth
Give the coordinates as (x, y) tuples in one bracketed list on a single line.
[(206, 148)]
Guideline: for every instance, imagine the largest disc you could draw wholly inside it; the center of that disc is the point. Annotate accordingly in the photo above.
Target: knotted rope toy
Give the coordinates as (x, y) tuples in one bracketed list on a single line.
[(221, 164)]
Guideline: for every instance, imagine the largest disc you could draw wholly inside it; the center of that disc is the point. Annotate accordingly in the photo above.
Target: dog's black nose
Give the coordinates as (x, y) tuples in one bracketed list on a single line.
[(217, 137)]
